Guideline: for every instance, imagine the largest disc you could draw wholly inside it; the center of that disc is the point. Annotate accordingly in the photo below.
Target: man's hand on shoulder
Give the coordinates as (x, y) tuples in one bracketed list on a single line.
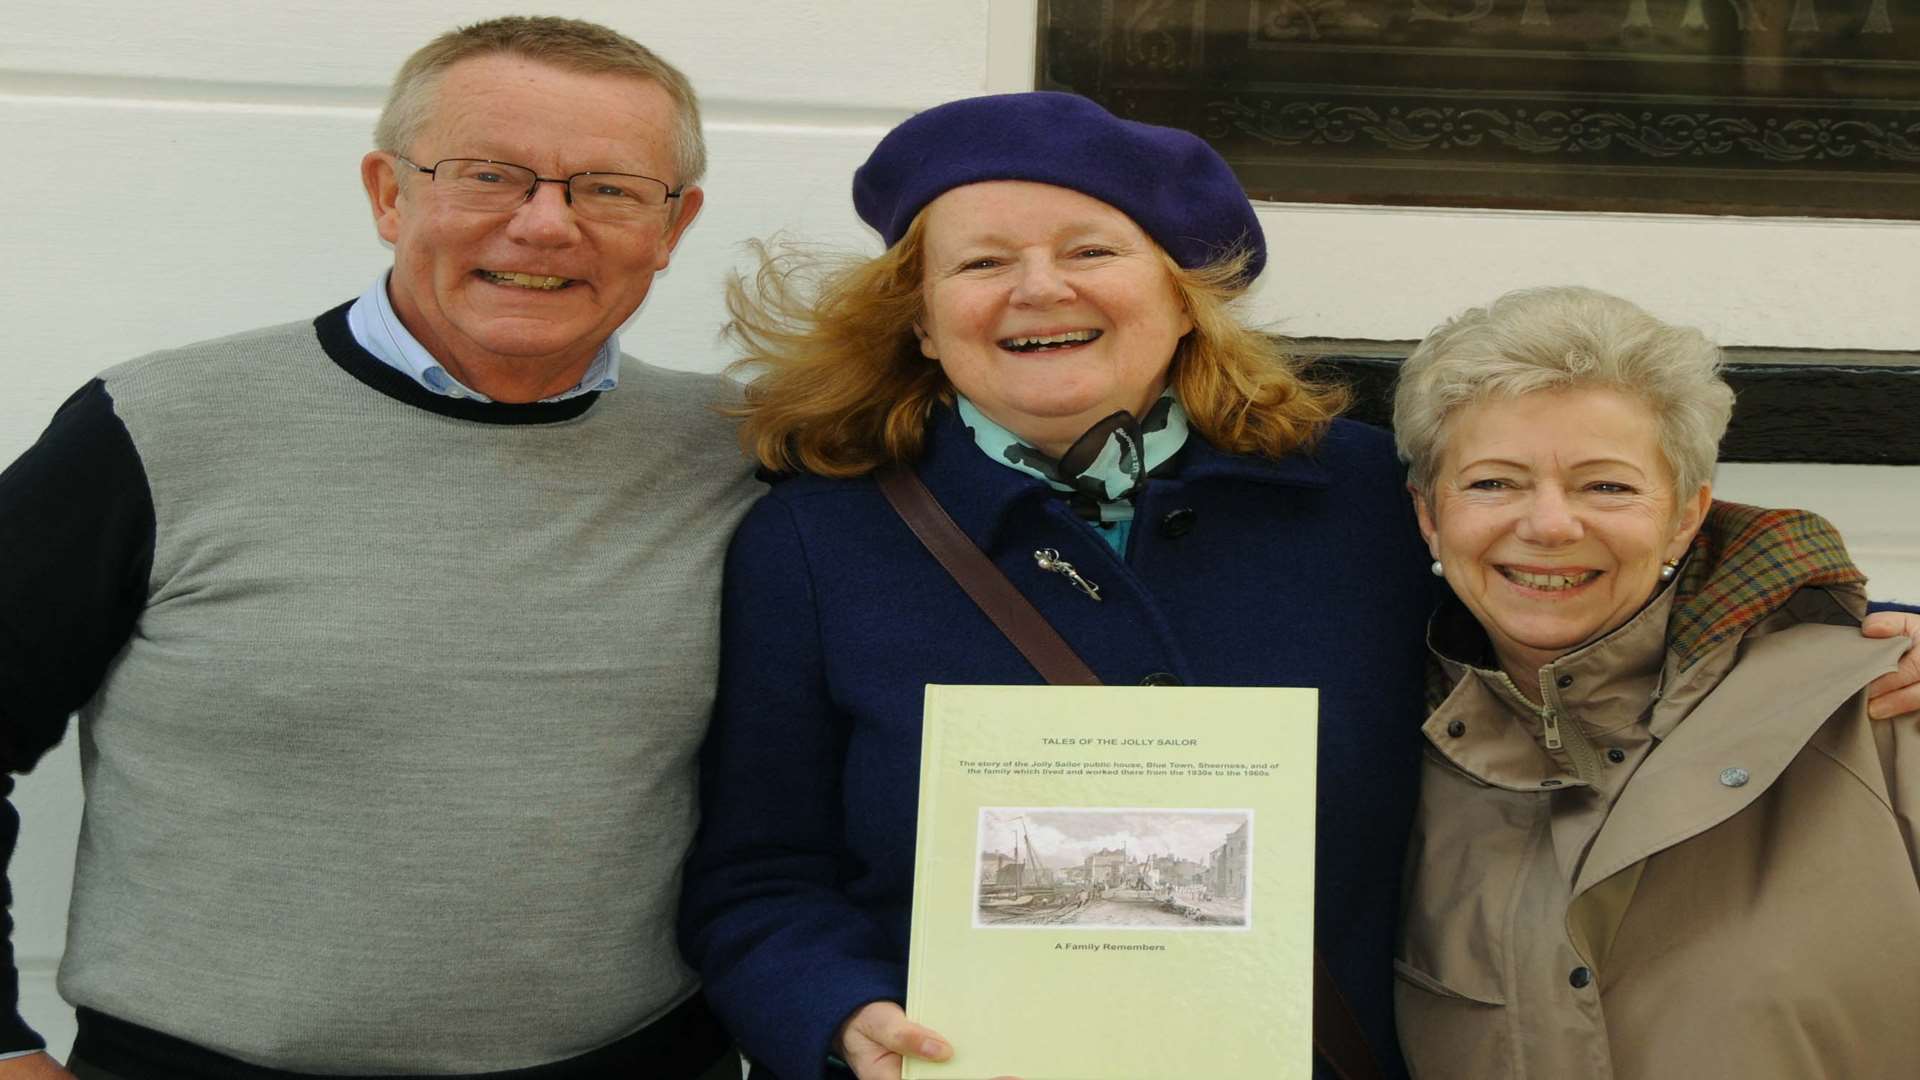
[(33, 1067), (1896, 693)]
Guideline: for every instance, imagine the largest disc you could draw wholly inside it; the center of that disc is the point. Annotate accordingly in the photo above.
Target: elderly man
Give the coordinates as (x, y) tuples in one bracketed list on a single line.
[(392, 633)]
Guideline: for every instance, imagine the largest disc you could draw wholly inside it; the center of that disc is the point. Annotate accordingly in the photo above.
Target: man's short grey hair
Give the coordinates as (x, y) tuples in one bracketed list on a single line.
[(569, 44), (1562, 338)]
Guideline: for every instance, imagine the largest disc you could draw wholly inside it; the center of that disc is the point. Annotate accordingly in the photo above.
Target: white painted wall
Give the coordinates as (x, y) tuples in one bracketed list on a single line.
[(180, 169)]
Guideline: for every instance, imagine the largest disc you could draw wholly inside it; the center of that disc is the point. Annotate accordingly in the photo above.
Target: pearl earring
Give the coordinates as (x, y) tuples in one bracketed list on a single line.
[(1668, 569), (1438, 570)]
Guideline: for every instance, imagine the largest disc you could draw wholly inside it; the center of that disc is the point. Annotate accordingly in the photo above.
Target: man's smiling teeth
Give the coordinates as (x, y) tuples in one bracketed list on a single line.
[(1051, 341), (525, 281), (1548, 582)]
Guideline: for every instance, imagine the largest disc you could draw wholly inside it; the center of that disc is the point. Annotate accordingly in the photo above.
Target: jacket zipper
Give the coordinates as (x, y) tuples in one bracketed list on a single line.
[(1586, 760)]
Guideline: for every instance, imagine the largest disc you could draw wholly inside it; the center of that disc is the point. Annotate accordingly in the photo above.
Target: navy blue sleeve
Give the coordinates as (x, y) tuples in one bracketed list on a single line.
[(76, 547), (785, 953), (1888, 605)]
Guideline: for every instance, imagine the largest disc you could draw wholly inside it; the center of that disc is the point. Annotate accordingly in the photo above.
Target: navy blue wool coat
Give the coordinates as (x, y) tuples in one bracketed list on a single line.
[(1240, 571)]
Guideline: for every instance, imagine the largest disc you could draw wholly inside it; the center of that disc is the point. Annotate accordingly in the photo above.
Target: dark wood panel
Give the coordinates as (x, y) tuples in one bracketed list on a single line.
[(1800, 107), (1837, 408)]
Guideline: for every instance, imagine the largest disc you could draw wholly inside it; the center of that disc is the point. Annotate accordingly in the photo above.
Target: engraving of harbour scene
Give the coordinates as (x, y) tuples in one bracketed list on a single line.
[(1714, 106), (1114, 869)]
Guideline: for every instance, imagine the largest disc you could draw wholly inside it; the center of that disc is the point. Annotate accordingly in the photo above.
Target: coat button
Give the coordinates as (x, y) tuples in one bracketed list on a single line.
[(1563, 681), (1456, 728), (1734, 777), (1161, 678), (1616, 755), (1579, 978), (1177, 523)]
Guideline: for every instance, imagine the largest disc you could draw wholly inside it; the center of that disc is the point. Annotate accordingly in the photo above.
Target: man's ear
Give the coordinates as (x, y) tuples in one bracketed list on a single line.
[(377, 175), (685, 209)]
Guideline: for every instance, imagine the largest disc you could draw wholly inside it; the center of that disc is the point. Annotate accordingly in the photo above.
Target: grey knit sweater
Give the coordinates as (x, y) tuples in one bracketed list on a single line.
[(391, 767)]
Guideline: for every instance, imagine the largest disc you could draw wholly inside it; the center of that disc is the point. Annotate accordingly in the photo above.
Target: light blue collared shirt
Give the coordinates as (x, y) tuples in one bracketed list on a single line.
[(378, 330)]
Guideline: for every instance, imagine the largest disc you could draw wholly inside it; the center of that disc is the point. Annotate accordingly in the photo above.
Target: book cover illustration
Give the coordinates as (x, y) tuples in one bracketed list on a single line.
[(1114, 869)]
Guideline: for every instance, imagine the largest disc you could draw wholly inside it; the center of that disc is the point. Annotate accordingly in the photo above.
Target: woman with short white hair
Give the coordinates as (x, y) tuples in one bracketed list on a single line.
[(1657, 835)]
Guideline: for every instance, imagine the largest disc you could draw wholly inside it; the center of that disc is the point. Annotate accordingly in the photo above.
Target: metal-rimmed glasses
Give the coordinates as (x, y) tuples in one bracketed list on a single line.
[(500, 187)]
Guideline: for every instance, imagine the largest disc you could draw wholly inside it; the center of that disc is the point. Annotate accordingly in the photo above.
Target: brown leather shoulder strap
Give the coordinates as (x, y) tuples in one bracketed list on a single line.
[(1013, 613), (1337, 1035)]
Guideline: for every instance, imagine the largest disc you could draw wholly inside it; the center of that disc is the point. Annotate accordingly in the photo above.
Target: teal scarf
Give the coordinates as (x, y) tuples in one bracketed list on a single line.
[(1102, 472)]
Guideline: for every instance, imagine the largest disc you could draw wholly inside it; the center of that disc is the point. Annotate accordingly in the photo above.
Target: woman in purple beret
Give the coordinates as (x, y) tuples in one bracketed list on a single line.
[(1048, 344)]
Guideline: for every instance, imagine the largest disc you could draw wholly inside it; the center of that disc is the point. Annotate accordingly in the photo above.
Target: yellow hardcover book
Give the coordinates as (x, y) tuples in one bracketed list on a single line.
[(1115, 882)]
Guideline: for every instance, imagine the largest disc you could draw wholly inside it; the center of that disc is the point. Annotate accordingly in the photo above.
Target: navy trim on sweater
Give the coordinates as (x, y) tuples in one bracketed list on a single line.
[(76, 548), (681, 1045), (336, 337), (76, 539)]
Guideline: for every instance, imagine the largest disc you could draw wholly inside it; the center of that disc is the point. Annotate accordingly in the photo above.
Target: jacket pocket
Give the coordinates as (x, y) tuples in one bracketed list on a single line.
[(1446, 1033), (1420, 980), (1468, 845)]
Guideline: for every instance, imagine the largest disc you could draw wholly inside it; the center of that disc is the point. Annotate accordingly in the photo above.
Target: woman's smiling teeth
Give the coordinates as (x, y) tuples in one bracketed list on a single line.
[(1547, 582), (525, 281), (1051, 341)]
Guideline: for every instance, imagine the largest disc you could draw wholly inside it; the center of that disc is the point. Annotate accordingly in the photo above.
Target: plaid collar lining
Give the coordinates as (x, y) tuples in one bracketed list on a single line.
[(1745, 564)]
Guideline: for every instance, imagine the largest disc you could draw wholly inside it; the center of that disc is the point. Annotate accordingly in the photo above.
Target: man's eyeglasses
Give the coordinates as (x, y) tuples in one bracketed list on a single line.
[(498, 187)]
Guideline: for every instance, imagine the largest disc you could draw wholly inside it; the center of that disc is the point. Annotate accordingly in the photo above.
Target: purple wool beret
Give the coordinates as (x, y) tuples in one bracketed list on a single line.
[(1172, 184)]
